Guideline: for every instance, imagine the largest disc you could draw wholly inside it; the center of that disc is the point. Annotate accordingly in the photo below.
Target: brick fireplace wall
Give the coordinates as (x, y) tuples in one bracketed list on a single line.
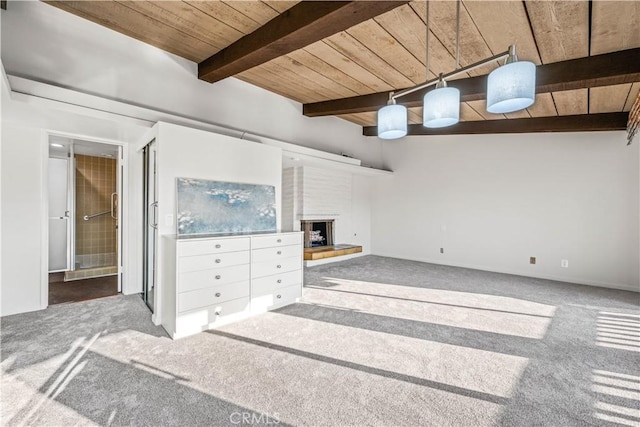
[(310, 193)]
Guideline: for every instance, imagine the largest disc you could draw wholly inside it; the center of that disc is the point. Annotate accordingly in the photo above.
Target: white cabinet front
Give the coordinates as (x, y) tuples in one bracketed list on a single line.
[(268, 254), (276, 240), (267, 268), (212, 246), (215, 295), (203, 318), (213, 277), (278, 298), (268, 284), (205, 262), (216, 281)]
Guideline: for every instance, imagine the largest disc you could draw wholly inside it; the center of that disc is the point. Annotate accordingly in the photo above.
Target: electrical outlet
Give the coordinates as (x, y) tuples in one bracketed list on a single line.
[(532, 260), (441, 250), (564, 263)]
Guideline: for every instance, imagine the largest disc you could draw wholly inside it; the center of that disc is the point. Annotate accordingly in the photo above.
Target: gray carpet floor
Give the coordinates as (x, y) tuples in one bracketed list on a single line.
[(375, 341)]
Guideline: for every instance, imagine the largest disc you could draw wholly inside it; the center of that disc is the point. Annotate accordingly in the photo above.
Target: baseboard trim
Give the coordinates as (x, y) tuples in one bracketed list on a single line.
[(574, 281)]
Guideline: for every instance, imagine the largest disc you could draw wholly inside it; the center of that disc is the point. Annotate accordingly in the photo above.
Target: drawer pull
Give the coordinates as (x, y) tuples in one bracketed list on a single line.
[(279, 240), (279, 296), (218, 311), (278, 266), (279, 252), (218, 246), (218, 277), (279, 280), (218, 261), (217, 294)]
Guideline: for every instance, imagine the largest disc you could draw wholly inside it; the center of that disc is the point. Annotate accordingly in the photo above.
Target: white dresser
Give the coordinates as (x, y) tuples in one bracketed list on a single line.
[(208, 282)]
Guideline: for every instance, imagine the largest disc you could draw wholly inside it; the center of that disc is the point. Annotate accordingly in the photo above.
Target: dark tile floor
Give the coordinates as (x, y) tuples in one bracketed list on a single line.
[(82, 290)]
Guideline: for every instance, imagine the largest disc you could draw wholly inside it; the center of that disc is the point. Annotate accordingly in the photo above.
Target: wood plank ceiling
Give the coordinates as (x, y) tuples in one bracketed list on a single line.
[(388, 51)]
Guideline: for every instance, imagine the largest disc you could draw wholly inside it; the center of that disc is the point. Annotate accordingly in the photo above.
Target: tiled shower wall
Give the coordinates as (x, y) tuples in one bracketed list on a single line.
[(96, 238)]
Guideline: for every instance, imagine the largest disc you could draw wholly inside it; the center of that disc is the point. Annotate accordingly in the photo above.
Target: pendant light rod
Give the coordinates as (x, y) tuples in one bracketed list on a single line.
[(453, 73), (458, 33), (426, 21)]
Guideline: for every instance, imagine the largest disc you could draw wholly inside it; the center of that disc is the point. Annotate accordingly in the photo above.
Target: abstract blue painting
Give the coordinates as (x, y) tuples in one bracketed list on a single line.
[(216, 207)]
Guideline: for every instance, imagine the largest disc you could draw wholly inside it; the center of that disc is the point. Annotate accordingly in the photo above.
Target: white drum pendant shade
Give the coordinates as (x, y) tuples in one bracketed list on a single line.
[(392, 121), (441, 107), (511, 87)]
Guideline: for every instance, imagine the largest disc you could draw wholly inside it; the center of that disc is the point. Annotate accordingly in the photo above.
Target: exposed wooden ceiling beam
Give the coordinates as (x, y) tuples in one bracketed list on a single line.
[(578, 123), (303, 24), (593, 71)]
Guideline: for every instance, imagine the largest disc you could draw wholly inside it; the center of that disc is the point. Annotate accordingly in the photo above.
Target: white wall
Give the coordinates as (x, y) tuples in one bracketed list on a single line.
[(191, 153), (44, 43), (492, 201), (21, 217)]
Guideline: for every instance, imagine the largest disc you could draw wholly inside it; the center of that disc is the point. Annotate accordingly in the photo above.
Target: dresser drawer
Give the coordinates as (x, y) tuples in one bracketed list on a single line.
[(276, 240), (214, 295), (277, 298), (213, 277), (266, 285), (212, 246), (268, 268), (277, 253), (205, 262), (202, 318)]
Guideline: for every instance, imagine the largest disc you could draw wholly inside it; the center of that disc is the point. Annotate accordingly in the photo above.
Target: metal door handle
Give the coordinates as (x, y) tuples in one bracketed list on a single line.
[(218, 261), (218, 277), (114, 204), (217, 294), (154, 224)]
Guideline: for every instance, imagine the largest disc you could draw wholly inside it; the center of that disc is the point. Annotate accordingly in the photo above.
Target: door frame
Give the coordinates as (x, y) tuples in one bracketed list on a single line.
[(146, 254), (123, 210)]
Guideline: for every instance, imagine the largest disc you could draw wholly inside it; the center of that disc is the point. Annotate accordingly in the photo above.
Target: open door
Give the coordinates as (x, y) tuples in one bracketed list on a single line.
[(59, 208), (150, 223)]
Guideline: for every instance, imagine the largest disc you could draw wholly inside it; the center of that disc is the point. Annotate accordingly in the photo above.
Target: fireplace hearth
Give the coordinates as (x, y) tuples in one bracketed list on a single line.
[(317, 233)]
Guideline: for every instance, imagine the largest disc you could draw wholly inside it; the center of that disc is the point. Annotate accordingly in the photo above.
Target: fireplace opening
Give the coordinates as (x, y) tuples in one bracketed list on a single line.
[(317, 233)]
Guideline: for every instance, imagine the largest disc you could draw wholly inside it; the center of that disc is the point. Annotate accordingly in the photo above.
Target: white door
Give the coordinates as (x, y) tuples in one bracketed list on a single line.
[(59, 232)]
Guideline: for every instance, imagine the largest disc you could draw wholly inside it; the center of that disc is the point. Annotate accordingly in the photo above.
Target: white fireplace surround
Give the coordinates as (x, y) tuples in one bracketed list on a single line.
[(311, 193)]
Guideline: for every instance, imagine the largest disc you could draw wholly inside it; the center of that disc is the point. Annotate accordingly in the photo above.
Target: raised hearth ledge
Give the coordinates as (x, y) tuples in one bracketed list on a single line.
[(326, 254)]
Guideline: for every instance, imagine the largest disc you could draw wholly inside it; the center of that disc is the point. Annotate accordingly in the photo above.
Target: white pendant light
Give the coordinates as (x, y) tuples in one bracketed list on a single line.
[(511, 87), (441, 106), (392, 121)]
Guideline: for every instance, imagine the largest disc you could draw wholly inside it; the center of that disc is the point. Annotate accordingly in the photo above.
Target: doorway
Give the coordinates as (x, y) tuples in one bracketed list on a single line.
[(85, 239)]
